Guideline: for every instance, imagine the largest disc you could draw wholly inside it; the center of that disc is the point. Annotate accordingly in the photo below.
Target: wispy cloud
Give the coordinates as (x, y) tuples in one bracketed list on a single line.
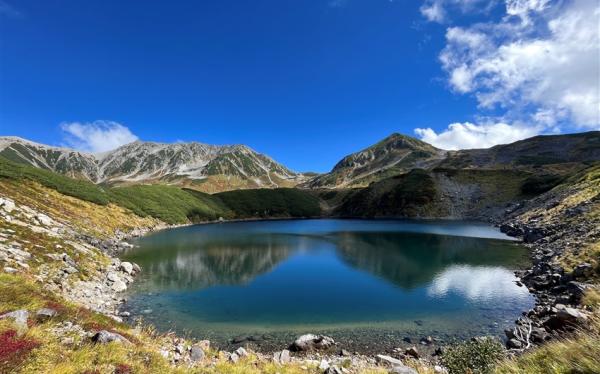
[(97, 136)]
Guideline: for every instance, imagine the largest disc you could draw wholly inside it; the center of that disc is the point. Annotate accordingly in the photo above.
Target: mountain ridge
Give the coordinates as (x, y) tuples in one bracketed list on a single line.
[(210, 168)]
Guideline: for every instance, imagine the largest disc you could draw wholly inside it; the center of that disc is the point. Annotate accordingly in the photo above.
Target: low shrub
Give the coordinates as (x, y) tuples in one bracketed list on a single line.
[(478, 356)]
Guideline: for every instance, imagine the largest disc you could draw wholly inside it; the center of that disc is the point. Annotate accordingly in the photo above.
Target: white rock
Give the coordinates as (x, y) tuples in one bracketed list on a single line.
[(324, 365), (127, 267), (241, 352), (119, 286)]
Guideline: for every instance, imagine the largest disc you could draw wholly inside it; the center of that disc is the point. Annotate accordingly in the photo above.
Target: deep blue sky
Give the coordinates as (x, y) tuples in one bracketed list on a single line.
[(302, 81)]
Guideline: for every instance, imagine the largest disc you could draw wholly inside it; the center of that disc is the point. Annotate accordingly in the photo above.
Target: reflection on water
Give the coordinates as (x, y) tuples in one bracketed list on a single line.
[(327, 275), (480, 283)]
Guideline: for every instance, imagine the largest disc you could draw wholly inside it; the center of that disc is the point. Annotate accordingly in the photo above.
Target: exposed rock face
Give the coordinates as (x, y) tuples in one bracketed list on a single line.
[(148, 161), (310, 342)]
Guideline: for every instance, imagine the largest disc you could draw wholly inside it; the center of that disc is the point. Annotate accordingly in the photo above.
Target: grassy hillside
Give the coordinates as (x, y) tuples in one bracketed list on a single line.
[(264, 203), (172, 204)]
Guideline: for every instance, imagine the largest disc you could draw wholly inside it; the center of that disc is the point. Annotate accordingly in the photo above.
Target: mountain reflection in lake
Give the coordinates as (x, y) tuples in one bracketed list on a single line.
[(286, 277)]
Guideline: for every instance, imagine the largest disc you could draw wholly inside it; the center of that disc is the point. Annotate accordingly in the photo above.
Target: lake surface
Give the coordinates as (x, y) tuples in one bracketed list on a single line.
[(367, 283)]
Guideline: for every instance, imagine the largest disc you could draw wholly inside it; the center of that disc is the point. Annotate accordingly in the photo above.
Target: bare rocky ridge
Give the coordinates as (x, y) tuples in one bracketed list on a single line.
[(207, 167)]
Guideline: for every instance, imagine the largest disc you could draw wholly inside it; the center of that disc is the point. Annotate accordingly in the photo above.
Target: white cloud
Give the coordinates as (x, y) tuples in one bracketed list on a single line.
[(539, 58), (468, 135), (97, 136), (437, 10), (433, 11)]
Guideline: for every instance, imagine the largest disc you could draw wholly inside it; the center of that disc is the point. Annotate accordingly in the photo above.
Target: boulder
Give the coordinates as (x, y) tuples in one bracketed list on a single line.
[(282, 357), (119, 286), (45, 314), (389, 360), (127, 267), (197, 353), (333, 370), (309, 342), (582, 270), (514, 344), (403, 369), (104, 337)]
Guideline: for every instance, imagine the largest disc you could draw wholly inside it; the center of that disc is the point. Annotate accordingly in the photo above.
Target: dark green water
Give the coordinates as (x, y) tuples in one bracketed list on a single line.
[(366, 283)]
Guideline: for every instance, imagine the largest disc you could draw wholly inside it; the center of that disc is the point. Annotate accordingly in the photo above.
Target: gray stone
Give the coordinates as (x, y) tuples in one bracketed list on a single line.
[(241, 352), (104, 337), (333, 370), (45, 314), (282, 357), (127, 267), (582, 270), (19, 317), (389, 360), (412, 351), (112, 276), (403, 369), (514, 344), (197, 353), (234, 358), (119, 286), (309, 341), (9, 270)]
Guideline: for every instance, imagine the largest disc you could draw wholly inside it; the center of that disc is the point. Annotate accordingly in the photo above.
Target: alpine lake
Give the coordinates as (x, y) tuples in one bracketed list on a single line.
[(369, 284)]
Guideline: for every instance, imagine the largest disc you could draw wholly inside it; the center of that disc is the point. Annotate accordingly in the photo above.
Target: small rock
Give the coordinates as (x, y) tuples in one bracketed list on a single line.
[(402, 369), (119, 286), (241, 352), (344, 352), (204, 344), (9, 270), (104, 337), (310, 341), (127, 267), (197, 353), (389, 360), (324, 365), (333, 370), (282, 357), (412, 351), (179, 348), (136, 267), (234, 358), (45, 314)]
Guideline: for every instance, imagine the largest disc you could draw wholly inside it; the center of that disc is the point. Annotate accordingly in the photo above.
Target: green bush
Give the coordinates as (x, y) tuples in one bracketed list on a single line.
[(478, 356)]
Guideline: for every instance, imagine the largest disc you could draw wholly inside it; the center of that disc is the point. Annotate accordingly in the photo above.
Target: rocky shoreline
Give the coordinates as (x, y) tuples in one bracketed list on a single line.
[(558, 292)]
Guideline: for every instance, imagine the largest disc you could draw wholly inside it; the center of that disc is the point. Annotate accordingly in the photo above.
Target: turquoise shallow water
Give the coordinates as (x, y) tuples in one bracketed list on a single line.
[(364, 281)]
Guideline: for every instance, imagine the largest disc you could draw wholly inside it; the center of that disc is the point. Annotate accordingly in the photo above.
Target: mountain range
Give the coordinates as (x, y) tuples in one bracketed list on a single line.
[(208, 168), (212, 168)]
